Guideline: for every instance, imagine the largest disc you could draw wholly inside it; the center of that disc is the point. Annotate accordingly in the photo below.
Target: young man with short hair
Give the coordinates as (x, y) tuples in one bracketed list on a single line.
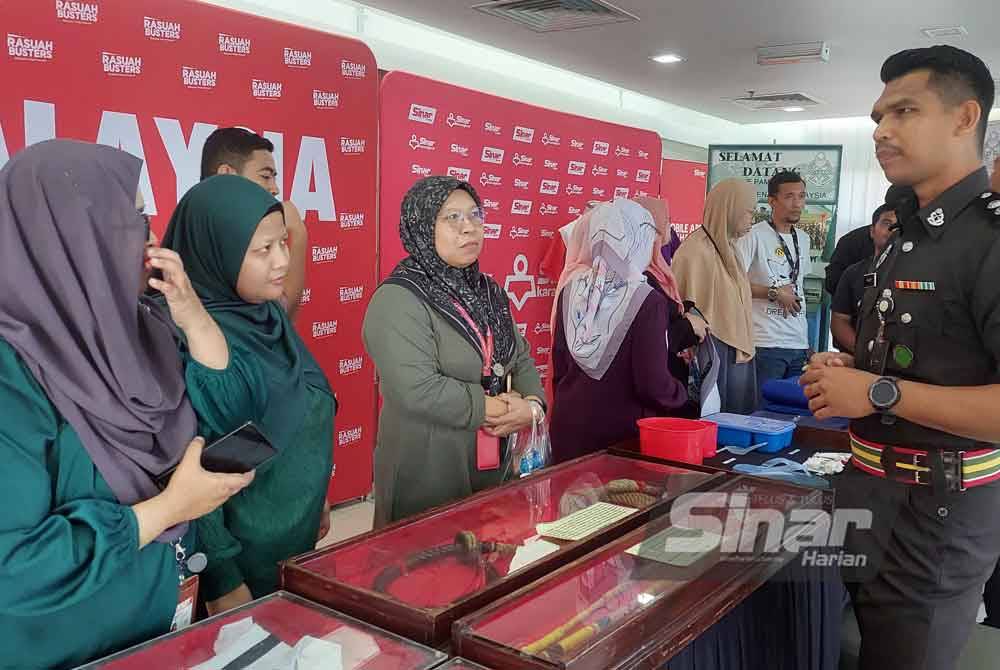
[(776, 256), (924, 386), (241, 152), (847, 300)]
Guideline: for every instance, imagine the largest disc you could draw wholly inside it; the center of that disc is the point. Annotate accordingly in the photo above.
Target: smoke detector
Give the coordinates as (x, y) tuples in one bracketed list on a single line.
[(788, 54), (547, 16), (772, 102)]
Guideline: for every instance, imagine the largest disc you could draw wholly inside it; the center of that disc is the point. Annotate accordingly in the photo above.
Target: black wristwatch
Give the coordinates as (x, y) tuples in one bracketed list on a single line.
[(884, 394)]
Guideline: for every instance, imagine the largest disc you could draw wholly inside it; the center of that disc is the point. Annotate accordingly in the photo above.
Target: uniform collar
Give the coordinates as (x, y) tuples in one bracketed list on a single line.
[(939, 214)]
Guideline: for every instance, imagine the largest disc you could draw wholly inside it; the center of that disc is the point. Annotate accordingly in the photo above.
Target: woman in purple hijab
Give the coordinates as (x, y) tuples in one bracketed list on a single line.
[(94, 407)]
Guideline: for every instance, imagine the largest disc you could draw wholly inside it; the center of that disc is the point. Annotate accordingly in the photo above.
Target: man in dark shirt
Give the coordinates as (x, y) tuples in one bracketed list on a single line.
[(924, 387), (991, 596), (852, 248), (847, 299)]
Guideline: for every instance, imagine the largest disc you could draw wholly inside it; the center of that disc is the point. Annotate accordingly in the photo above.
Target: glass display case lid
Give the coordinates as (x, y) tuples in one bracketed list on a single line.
[(279, 632), (680, 571), (441, 558)]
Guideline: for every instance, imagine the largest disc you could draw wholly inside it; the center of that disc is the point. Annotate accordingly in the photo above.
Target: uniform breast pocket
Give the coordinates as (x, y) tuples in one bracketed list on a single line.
[(916, 335)]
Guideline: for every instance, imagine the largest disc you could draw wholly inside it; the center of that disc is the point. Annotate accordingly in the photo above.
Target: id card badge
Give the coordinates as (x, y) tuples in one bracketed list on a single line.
[(187, 598), (487, 451)]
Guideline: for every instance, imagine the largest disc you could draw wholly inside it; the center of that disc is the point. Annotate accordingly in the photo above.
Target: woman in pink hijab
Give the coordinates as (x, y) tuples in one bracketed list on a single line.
[(612, 349)]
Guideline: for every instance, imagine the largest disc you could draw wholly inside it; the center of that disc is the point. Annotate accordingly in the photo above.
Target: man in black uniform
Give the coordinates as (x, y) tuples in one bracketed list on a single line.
[(924, 389), (852, 248), (991, 596), (847, 299)]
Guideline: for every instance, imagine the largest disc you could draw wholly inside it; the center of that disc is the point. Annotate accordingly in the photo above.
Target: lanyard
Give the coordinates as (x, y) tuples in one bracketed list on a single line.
[(485, 343), (788, 254)]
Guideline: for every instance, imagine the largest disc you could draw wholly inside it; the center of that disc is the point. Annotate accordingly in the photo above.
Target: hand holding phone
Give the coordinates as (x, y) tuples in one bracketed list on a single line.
[(243, 450)]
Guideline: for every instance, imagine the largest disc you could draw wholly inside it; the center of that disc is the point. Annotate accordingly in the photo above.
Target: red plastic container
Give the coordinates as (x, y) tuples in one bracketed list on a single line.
[(684, 440)]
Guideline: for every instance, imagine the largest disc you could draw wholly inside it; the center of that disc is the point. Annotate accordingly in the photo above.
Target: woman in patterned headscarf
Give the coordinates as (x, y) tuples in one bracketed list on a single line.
[(610, 347), (441, 335)]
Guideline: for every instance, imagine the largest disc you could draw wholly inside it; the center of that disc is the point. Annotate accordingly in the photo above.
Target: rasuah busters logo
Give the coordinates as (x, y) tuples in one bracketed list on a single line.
[(351, 146), (321, 255), (77, 12), (29, 48), (324, 329), (232, 45), (297, 58), (265, 90), (160, 30), (352, 70), (352, 220), (349, 436), (351, 293), (462, 174), (197, 78), (349, 366), (325, 99), (118, 65)]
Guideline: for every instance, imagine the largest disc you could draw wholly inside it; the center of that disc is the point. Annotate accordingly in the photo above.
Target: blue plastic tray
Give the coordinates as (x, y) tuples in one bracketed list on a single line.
[(742, 431)]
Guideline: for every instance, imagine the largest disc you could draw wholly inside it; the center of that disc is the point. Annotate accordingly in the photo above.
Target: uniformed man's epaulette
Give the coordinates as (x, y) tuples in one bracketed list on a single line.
[(991, 202)]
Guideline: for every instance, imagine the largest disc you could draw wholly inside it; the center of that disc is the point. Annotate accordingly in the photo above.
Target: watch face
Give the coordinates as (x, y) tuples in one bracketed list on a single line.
[(883, 393)]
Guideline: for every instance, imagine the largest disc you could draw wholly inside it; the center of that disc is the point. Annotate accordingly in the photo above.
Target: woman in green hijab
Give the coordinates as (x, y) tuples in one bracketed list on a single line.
[(231, 236)]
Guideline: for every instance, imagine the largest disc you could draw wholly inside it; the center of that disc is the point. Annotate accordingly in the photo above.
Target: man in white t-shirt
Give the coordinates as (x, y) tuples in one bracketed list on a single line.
[(776, 256)]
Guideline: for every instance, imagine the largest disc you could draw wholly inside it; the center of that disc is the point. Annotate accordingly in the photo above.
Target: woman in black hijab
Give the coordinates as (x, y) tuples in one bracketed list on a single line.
[(94, 407), (441, 335)]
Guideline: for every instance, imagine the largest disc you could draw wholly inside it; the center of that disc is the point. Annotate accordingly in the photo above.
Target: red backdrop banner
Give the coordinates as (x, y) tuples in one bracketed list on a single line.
[(534, 168), (683, 185), (156, 77)]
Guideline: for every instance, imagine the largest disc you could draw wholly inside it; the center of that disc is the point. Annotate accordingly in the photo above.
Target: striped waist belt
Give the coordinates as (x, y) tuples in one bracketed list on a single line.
[(950, 470)]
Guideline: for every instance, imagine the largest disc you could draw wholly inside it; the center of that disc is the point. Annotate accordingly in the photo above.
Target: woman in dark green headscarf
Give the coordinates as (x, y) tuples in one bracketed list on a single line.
[(230, 234)]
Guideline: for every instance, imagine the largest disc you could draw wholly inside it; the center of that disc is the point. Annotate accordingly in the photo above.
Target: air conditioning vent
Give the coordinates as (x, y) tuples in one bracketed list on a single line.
[(945, 33), (547, 16), (791, 54), (776, 101)]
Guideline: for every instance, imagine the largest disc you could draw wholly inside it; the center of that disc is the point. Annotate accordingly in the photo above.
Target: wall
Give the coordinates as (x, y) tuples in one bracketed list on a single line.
[(862, 184), (406, 45), (400, 44)]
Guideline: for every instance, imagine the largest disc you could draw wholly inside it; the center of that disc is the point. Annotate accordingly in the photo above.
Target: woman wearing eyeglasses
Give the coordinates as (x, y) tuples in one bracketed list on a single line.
[(441, 335)]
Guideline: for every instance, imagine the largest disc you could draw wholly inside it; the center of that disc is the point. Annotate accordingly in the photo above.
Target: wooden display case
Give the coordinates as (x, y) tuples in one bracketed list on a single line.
[(615, 610), (277, 631), (418, 576)]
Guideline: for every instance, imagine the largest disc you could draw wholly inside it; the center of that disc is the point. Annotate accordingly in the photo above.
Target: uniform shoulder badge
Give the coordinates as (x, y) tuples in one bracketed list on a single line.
[(991, 202)]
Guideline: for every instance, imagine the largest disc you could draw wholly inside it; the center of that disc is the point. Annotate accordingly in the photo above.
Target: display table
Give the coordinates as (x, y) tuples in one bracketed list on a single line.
[(643, 598), (418, 576), (279, 631)]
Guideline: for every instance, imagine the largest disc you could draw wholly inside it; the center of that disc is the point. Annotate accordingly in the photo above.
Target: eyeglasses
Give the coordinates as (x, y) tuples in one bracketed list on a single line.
[(455, 218)]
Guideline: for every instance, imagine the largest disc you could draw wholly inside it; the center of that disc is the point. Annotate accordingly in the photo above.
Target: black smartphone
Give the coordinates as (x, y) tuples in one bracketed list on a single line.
[(242, 450)]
